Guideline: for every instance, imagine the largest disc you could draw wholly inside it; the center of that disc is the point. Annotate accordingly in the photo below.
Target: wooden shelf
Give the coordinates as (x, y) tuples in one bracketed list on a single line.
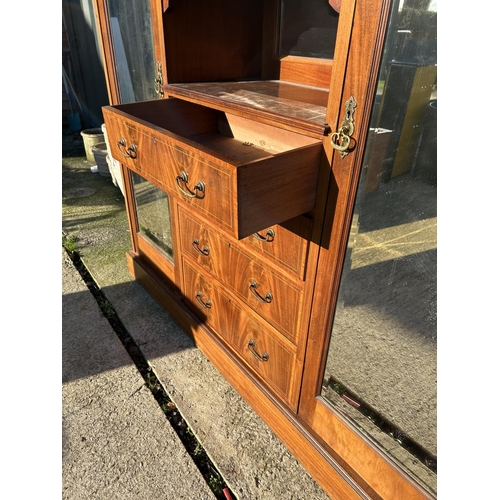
[(296, 107)]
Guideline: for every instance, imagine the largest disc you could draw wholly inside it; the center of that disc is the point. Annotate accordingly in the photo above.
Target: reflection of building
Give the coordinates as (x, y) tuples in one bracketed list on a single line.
[(408, 90), (405, 103), (82, 64)]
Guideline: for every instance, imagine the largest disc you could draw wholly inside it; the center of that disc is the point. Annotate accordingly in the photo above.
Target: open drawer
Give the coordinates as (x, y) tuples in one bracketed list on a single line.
[(241, 174)]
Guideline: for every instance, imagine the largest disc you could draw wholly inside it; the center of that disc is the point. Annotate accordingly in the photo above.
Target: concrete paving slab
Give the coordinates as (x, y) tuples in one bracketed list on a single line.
[(117, 443)]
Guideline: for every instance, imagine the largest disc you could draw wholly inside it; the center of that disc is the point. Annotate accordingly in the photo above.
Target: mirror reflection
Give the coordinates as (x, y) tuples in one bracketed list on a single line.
[(307, 29), (381, 368), (132, 37), (153, 214)]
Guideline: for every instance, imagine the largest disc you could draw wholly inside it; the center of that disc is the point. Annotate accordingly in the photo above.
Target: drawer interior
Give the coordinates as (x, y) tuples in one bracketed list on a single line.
[(216, 132)]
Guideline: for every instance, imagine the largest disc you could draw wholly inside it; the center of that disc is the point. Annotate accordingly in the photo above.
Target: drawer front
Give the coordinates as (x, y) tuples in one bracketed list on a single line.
[(273, 361), (216, 201), (191, 152), (182, 171), (287, 244), (274, 298), (126, 142)]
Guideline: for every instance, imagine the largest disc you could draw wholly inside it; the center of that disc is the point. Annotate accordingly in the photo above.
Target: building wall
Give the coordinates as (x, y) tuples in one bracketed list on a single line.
[(82, 62), (66, 61)]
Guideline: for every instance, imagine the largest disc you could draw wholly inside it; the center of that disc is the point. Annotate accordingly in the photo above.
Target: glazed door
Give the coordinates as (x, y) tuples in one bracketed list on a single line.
[(133, 49), (369, 390), (132, 41)]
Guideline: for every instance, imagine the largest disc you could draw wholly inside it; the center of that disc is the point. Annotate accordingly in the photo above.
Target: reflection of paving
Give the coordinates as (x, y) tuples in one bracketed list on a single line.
[(394, 242), (383, 347), (153, 213)]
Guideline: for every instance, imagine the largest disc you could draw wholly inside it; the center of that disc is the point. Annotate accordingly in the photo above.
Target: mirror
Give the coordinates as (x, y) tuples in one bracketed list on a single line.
[(153, 214), (308, 29), (381, 367), (132, 38)]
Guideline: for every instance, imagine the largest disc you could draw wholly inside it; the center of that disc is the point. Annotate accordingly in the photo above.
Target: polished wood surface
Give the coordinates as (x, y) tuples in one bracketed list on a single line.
[(247, 188), (225, 40), (238, 271), (254, 128), (289, 105), (237, 328), (286, 244), (305, 71)]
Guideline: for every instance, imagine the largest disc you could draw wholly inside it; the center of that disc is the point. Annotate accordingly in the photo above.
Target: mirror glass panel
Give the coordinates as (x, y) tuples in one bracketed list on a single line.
[(308, 29), (381, 368), (132, 38), (153, 214)]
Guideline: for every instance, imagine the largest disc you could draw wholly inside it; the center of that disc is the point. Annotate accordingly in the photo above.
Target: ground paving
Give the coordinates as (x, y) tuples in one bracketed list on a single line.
[(116, 441)]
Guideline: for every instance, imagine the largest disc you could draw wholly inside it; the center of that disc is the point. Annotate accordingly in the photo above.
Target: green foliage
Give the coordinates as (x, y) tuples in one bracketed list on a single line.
[(150, 381), (69, 242), (216, 484), (107, 309), (198, 450)]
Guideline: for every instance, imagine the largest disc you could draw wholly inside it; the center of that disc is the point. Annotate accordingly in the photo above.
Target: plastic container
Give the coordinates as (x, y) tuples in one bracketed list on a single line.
[(114, 165), (100, 153), (91, 137)]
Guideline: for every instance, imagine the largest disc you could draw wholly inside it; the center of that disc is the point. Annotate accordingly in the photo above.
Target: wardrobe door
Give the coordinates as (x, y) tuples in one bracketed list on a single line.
[(133, 50), (369, 389)]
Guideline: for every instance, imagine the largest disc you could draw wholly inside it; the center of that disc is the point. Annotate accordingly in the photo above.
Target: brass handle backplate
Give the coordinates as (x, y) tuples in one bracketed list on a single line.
[(206, 305), (256, 355), (269, 236), (253, 289), (341, 140), (202, 251), (130, 152), (159, 81), (198, 190)]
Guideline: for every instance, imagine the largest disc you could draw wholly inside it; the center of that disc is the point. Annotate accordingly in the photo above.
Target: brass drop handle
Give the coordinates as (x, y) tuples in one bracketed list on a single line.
[(202, 251), (256, 355), (130, 152), (341, 140), (253, 289), (269, 236), (206, 305), (198, 190)]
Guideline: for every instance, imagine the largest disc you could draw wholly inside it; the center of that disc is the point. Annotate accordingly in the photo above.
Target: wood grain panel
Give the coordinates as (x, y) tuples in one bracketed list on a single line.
[(248, 186), (289, 245), (238, 271), (238, 329), (306, 71), (284, 310), (274, 190), (224, 40)]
